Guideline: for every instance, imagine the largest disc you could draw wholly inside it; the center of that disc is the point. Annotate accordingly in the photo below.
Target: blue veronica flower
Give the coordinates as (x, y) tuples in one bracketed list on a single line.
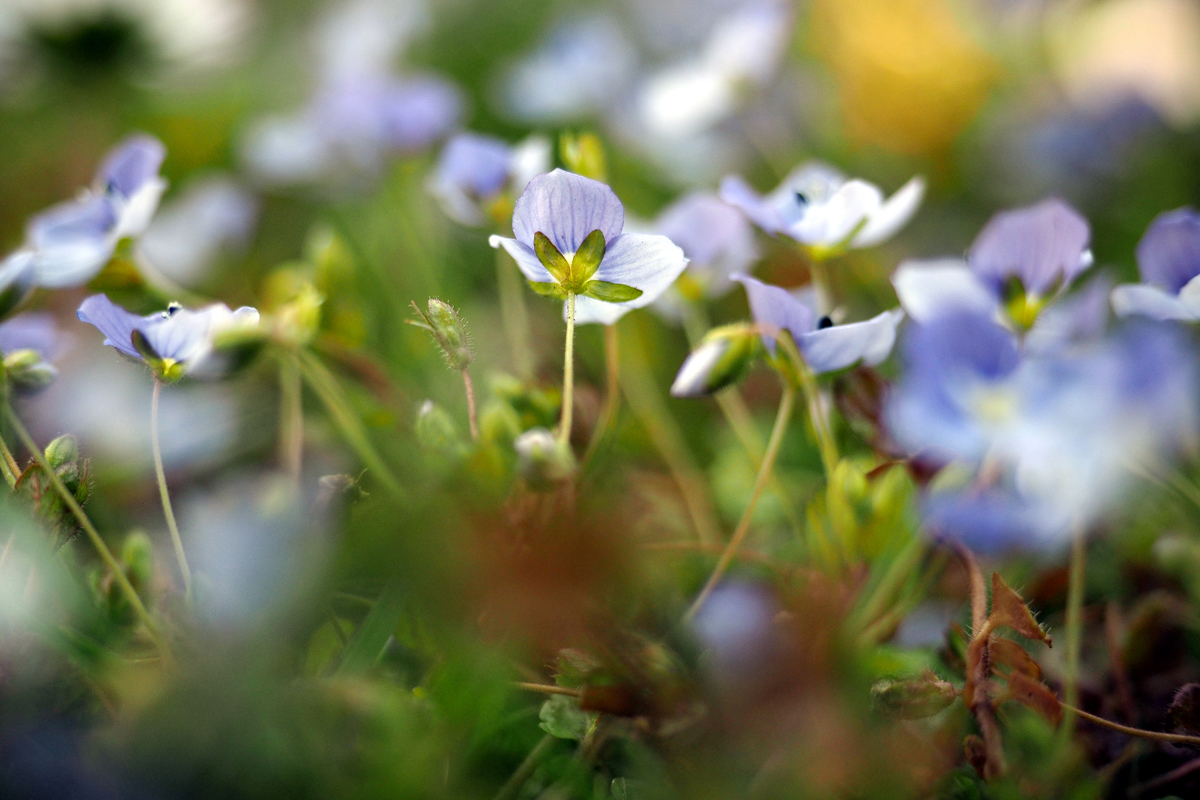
[(33, 330), (566, 208), (1169, 262), (209, 217), (817, 206), (826, 347), (174, 342), (716, 238), (1043, 246), (68, 244), (475, 170)]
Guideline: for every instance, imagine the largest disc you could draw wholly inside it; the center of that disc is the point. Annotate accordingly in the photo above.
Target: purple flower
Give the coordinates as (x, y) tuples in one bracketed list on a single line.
[(474, 171), (32, 330), (715, 237), (187, 236), (736, 629), (566, 209), (1169, 261), (816, 206), (173, 342), (826, 347)]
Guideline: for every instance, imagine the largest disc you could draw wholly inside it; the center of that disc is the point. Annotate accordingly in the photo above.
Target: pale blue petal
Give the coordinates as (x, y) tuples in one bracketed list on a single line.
[(842, 346), (566, 208), (114, 322), (716, 238), (1041, 245), (757, 208), (526, 259), (775, 309), (32, 330), (72, 242), (893, 215), (649, 263), (131, 164), (1149, 301), (1169, 253), (927, 289), (590, 311)]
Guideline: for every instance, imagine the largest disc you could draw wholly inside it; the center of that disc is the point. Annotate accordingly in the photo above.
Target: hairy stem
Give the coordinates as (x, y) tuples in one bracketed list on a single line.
[(8, 464), (291, 417), (472, 415), (612, 391), (93, 535), (514, 315), (764, 473), (165, 495), (568, 393), (975, 693)]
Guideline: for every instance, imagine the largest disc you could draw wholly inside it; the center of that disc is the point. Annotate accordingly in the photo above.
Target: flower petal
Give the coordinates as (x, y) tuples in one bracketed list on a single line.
[(526, 259), (893, 215), (775, 309), (716, 238), (131, 164), (1040, 244), (927, 289), (757, 209), (72, 241), (831, 223), (114, 322), (1169, 253), (841, 346), (32, 330), (649, 263), (566, 208), (1149, 301)]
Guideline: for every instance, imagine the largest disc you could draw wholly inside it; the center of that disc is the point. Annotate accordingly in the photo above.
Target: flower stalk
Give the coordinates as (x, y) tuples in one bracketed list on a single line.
[(568, 393), (165, 495)]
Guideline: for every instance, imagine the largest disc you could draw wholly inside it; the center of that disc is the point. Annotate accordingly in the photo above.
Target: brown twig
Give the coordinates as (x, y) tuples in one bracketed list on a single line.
[(975, 693)]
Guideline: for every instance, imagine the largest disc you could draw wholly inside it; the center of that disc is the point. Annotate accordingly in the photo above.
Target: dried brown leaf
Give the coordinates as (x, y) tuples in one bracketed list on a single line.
[(1009, 610), (1013, 656), (1035, 695)]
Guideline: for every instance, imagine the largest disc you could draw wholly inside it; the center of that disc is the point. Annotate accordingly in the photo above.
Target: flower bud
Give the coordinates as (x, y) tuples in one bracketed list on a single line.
[(137, 557), (63, 450), (498, 422), (723, 358), (28, 371), (542, 459), (448, 330)]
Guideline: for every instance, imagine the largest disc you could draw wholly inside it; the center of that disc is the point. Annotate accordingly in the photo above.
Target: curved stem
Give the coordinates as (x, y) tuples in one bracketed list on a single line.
[(1158, 736), (291, 417), (764, 473), (93, 535), (180, 556), (568, 393), (472, 415), (161, 285), (1074, 628), (518, 778), (612, 391)]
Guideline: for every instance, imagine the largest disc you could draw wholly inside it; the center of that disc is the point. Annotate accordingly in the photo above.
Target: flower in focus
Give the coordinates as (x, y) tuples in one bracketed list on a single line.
[(816, 206), (1168, 259), (1020, 260), (187, 235), (826, 347), (174, 342), (476, 173), (569, 240), (67, 245), (1049, 439)]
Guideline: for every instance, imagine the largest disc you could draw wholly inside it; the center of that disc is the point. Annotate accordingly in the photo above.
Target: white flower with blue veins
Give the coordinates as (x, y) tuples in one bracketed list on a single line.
[(474, 171), (818, 207), (570, 241)]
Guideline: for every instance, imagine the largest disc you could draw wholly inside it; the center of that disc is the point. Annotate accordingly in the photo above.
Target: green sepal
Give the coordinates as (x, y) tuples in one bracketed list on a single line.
[(588, 257), (554, 290), (551, 259), (611, 292), (142, 345)]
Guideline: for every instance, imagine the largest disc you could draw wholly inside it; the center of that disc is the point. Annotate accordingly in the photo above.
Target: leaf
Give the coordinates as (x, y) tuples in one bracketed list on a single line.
[(1013, 656), (551, 259), (1184, 712), (368, 642), (562, 717), (1033, 694), (1009, 610), (554, 290), (611, 292), (912, 698), (588, 257)]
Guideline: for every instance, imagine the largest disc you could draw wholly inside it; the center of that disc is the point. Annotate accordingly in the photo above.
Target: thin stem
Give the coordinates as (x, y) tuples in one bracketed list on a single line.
[(8, 465), (612, 391), (820, 281), (1074, 627), (975, 693), (568, 393), (816, 412), (514, 314), (161, 285), (291, 417), (472, 416), (106, 555), (526, 768), (1158, 736), (180, 556), (547, 688), (735, 542)]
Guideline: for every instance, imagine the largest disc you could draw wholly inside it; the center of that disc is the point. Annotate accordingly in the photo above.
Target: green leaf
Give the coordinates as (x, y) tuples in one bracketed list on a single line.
[(611, 292), (367, 643), (562, 717), (551, 259), (549, 290), (588, 257)]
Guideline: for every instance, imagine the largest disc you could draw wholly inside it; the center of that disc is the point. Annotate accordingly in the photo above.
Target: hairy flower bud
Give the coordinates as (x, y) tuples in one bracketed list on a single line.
[(912, 698), (62, 450), (448, 330), (723, 358), (542, 459)]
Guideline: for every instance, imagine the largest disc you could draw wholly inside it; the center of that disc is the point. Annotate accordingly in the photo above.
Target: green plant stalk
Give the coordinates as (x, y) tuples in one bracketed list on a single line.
[(786, 403), (1074, 630), (568, 393), (93, 535), (816, 414), (329, 393), (165, 495), (8, 464), (514, 313), (889, 583), (612, 391), (518, 778), (472, 414), (291, 416)]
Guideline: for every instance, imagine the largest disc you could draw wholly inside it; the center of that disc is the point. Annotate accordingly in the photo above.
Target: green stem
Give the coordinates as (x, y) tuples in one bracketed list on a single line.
[(518, 778), (176, 540), (163, 286), (291, 417), (93, 535), (568, 393), (1074, 629), (612, 391), (764, 473), (8, 464), (820, 281), (472, 415), (514, 314), (816, 413)]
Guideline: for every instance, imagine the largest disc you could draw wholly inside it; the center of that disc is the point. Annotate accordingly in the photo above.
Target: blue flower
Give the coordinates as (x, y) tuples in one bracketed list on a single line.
[(210, 217), (715, 237), (27, 344), (816, 206), (173, 342), (1044, 247), (68, 244), (826, 347), (1169, 261), (474, 171), (566, 209)]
